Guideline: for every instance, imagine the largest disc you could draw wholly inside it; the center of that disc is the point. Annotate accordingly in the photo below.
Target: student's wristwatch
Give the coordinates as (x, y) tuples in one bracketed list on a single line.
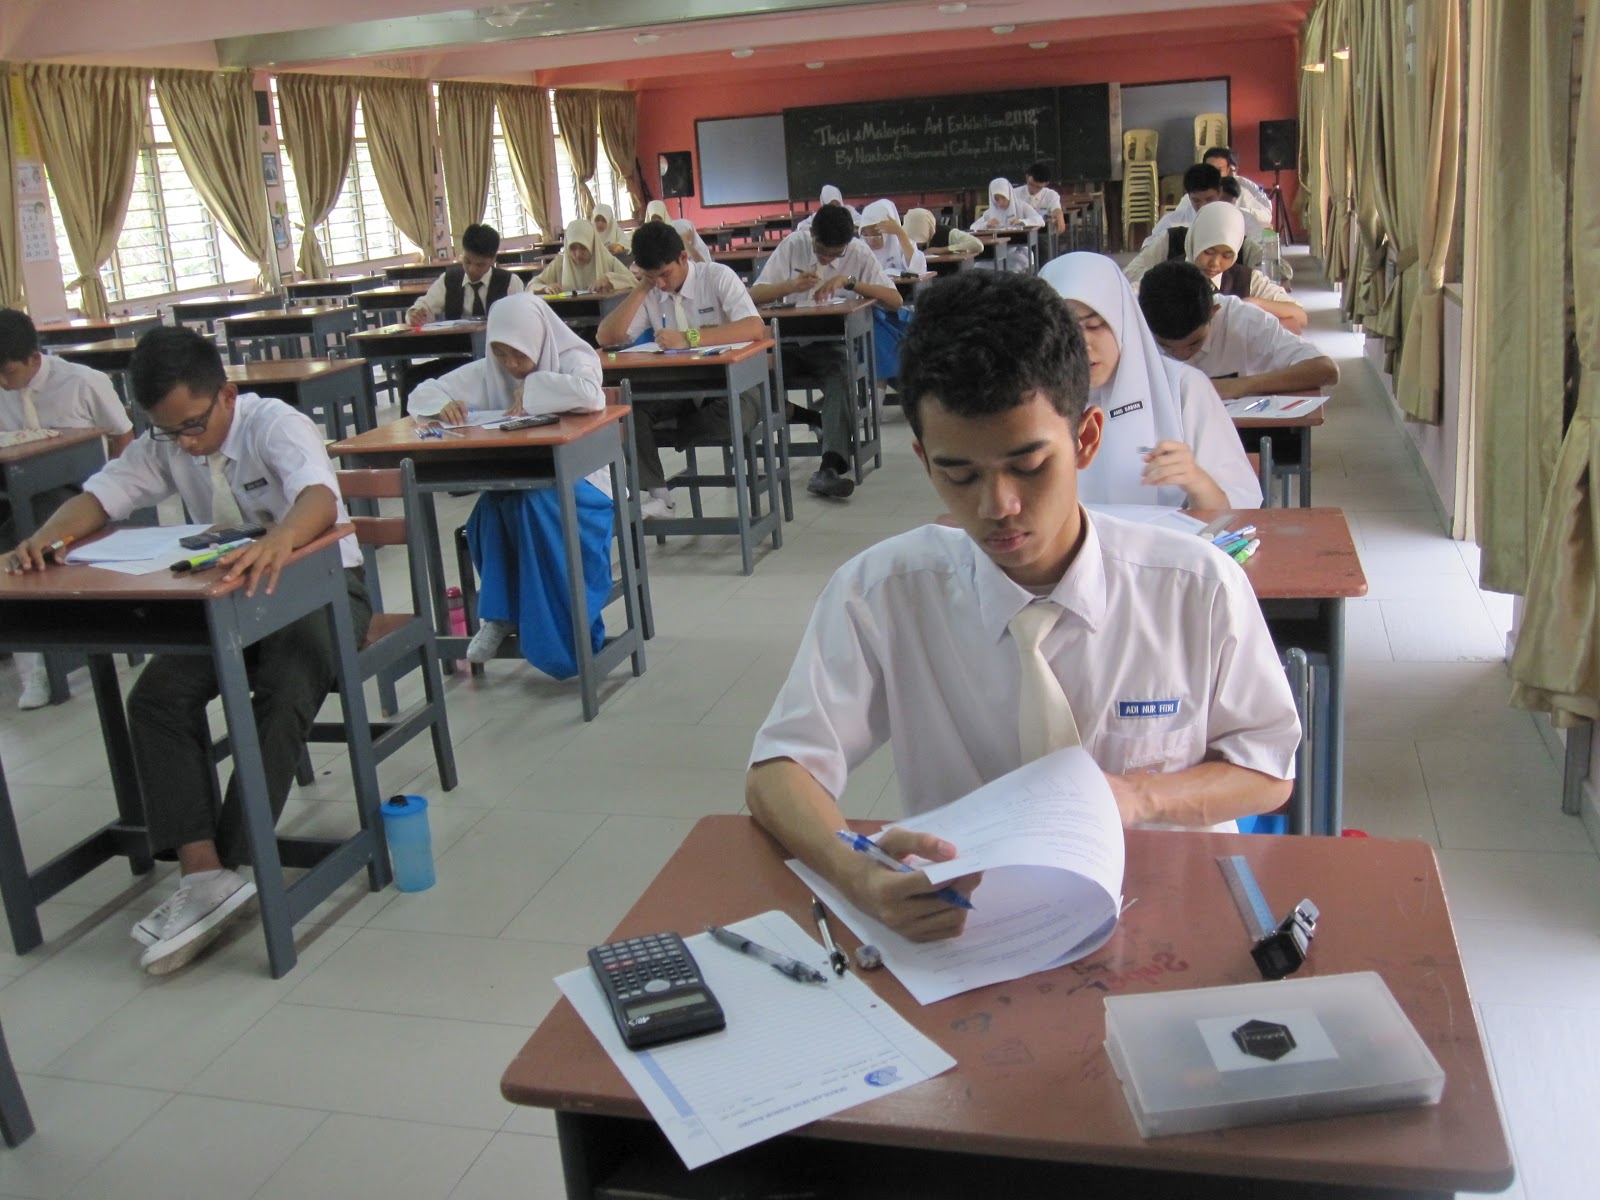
[(850, 283), (692, 336)]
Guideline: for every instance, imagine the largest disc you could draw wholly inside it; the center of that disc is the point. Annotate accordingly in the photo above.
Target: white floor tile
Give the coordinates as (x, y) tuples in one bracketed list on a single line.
[(76, 1126), (1519, 963), (515, 1164), (361, 1157), (1384, 792), (1498, 797), (1435, 631), (1511, 885)]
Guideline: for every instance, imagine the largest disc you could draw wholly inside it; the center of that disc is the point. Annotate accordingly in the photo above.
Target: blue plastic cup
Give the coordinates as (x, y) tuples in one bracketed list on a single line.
[(405, 825)]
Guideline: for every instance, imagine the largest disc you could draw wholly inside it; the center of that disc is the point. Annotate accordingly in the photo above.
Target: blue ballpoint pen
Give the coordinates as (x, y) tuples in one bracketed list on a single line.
[(1261, 403), (1233, 535), (865, 845)]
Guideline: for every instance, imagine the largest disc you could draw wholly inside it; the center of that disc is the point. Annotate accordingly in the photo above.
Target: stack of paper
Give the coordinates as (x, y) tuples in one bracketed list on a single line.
[(463, 323), (137, 551), (1150, 514), (792, 1053), (1274, 406), (1048, 839)]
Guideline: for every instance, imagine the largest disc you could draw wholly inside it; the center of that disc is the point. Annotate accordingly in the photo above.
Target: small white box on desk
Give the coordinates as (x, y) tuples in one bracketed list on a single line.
[(1255, 1053)]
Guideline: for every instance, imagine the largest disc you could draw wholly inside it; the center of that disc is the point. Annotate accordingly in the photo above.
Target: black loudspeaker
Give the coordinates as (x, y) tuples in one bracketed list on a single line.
[(677, 173), (1280, 145)]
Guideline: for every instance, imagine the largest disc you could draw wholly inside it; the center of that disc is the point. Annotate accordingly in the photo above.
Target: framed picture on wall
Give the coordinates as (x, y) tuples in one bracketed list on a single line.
[(280, 232), (269, 168)]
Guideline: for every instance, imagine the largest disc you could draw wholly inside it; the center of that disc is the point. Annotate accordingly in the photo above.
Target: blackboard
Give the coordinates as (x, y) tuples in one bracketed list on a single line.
[(936, 143), (1086, 133)]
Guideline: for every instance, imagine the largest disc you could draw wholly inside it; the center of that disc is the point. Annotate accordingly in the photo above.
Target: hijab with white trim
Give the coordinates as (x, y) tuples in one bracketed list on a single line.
[(889, 255), (612, 235), (1141, 400), (529, 326), (1217, 224), (601, 261)]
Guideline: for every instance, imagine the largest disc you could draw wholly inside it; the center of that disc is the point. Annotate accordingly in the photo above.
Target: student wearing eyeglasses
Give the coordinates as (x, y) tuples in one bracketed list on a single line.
[(233, 458)]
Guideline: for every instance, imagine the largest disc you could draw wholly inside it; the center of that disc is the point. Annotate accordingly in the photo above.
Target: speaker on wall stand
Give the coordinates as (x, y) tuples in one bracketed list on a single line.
[(1280, 147), (677, 175)]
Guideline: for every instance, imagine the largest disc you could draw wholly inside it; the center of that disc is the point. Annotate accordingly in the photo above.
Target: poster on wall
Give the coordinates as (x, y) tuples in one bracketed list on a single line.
[(34, 230), (30, 179), (269, 168), (280, 232)]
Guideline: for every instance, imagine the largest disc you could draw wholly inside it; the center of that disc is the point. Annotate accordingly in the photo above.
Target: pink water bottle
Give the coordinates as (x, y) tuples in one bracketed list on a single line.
[(457, 610)]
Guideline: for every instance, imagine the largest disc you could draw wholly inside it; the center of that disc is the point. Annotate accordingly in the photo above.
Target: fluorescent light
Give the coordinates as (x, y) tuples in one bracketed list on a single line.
[(1002, 29), (1316, 67), (743, 52), (951, 10), (1038, 45), (816, 66), (645, 39), (1342, 53)]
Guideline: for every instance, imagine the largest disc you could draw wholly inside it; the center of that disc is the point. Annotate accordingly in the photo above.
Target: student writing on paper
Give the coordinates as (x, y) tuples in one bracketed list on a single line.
[(1202, 185), (1166, 439), (1243, 350), (688, 305), (1213, 243), (1036, 192), (39, 391), (469, 287), (604, 220), (233, 458), (1032, 627), (536, 365), (584, 265), (826, 261), (1004, 212)]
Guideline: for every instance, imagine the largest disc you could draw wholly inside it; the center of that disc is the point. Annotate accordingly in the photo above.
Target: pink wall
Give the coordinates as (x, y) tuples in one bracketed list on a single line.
[(1263, 75)]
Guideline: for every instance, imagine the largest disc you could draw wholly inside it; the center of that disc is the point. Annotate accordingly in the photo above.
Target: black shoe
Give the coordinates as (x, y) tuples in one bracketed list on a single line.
[(828, 482), (798, 414)]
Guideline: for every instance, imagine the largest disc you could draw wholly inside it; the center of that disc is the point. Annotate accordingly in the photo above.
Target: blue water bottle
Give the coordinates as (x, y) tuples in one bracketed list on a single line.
[(405, 825)]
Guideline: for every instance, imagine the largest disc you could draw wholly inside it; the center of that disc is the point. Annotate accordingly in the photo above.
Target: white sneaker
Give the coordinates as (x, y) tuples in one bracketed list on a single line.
[(35, 682), (196, 915), (657, 506), (148, 931), (487, 640)]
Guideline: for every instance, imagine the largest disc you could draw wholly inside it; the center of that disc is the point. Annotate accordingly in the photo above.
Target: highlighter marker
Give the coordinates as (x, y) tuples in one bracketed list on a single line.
[(204, 562)]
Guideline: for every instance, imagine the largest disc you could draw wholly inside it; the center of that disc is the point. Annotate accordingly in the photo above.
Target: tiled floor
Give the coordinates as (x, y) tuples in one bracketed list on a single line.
[(372, 1069)]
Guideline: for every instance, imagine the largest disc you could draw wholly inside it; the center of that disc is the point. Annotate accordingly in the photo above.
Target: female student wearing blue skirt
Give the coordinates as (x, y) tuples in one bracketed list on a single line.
[(536, 365)]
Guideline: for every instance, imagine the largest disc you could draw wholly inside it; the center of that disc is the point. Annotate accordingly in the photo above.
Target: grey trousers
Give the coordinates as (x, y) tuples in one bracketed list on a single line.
[(824, 365), (707, 420), (291, 673)]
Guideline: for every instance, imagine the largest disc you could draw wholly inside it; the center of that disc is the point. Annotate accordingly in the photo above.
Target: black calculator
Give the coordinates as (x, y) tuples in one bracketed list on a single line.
[(655, 990)]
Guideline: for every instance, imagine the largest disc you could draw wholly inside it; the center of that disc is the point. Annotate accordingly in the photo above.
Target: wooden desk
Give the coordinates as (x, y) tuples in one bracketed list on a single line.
[(208, 310), (730, 374), (111, 357), (1033, 1108), (910, 285), (1006, 237), (101, 613), (743, 259), (526, 254), (416, 272), (850, 325), (948, 262), (558, 456), (1293, 430), (391, 347), (375, 306), (331, 289), (283, 334), (583, 314), (531, 268), (322, 388), (1305, 570), (104, 329)]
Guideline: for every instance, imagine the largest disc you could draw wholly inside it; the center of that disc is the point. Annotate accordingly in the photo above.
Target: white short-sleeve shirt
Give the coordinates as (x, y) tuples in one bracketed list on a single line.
[(1246, 340), (67, 395), (797, 254), (712, 294), (1162, 652), (274, 453), (1044, 202)]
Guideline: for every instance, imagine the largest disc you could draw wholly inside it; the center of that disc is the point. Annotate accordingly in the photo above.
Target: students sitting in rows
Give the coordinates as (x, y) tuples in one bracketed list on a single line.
[(831, 197), (610, 235), (888, 240), (39, 391), (1252, 200), (584, 265), (929, 233), (692, 241), (536, 365), (1202, 186), (823, 262), (467, 288), (1213, 243), (1037, 193), (1005, 213), (687, 304), (1166, 439), (232, 458), (1032, 627), (1244, 351)]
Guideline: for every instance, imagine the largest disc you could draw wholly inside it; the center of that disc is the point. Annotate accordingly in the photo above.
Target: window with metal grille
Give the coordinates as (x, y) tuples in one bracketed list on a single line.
[(505, 210), (606, 187)]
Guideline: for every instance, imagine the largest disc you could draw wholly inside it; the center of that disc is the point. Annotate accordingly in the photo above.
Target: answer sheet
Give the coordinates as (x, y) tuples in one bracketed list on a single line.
[(141, 551), (1274, 406), (1158, 515), (792, 1053), (1048, 838)]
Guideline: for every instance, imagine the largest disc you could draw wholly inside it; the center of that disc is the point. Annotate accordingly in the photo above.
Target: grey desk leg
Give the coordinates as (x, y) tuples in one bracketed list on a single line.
[(625, 503), (769, 455), (741, 482), (358, 732), (16, 889), (234, 685), (441, 610), (1302, 801), (16, 1122), (577, 594), (119, 751), (1575, 772), (1305, 466), (1333, 744)]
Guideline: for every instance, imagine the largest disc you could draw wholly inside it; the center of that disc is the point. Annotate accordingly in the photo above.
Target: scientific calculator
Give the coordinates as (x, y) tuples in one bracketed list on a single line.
[(655, 989)]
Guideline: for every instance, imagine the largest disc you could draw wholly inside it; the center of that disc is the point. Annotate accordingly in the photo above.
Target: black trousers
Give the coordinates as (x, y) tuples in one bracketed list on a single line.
[(291, 673)]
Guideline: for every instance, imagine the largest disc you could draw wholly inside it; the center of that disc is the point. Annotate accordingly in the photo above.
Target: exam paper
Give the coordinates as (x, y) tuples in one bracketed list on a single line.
[(461, 323), (792, 1053), (652, 348), (137, 551), (477, 418), (1275, 406), (1048, 838), (1151, 514)]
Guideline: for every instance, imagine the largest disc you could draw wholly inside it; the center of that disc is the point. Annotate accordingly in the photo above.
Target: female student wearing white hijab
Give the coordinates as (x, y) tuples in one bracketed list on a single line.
[(656, 210), (692, 241), (1213, 244), (584, 265), (923, 229), (604, 220), (830, 195), (1167, 438), (536, 365), (1005, 212), (889, 241)]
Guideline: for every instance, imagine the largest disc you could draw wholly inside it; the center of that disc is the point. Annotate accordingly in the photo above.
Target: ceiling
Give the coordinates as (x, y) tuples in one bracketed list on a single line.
[(590, 41)]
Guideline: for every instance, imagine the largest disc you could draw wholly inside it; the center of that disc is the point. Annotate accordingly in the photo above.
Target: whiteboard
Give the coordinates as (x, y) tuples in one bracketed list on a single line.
[(1170, 109), (742, 160)]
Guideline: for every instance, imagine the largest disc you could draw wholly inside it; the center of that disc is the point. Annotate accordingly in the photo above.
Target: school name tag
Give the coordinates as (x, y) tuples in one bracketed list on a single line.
[(1147, 708), (1125, 409)]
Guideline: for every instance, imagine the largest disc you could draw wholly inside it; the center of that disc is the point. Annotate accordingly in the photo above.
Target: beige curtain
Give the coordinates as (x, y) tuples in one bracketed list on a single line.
[(577, 115), (319, 124), (619, 134), (525, 121), (1431, 202), (212, 119), (466, 142), (88, 122), (1311, 198), (1518, 342), (1374, 126), (11, 294), (1556, 667), (399, 130)]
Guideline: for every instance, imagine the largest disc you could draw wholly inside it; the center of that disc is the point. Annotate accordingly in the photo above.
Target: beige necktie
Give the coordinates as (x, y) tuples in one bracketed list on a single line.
[(224, 508), (30, 410), (1044, 715)]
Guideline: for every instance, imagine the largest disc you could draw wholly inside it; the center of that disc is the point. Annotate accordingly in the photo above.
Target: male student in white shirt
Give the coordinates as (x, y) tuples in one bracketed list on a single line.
[(825, 261), (1243, 350), (233, 458), (39, 391), (686, 304), (1158, 645), (468, 287), (1253, 202), (1040, 196)]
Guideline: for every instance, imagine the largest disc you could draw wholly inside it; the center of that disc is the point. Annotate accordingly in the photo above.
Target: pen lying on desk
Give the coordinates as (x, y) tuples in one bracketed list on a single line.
[(835, 955), (781, 963)]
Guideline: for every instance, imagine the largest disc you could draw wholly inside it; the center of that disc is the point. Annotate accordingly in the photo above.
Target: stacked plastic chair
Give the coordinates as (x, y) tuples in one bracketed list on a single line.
[(1210, 131), (1141, 197)]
